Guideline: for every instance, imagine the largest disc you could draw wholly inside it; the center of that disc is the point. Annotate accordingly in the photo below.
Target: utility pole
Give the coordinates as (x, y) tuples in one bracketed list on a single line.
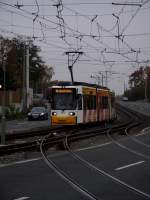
[(98, 78), (3, 129), (102, 79), (145, 88), (24, 80), (124, 86), (106, 77), (118, 29), (4, 51), (106, 72), (27, 76), (73, 56)]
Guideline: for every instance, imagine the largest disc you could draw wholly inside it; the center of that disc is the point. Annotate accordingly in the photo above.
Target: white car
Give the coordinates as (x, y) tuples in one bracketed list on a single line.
[(124, 98)]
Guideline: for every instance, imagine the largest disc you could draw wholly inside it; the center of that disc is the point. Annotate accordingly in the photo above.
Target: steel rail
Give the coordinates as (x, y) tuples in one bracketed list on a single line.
[(34, 145), (126, 148), (51, 141), (73, 137), (141, 119), (73, 183), (104, 173), (28, 146), (30, 133), (83, 134), (133, 123), (64, 176), (41, 131), (136, 140)]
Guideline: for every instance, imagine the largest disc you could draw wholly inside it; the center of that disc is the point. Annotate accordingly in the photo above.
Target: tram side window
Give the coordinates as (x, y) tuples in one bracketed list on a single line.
[(89, 102), (104, 102), (84, 102), (79, 102), (94, 102), (112, 101)]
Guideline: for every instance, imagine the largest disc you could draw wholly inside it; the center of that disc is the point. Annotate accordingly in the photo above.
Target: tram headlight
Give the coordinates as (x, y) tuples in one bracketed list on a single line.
[(54, 113), (72, 113)]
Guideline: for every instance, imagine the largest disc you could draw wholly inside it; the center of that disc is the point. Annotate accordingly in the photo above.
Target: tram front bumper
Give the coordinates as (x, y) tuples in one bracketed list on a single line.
[(63, 120)]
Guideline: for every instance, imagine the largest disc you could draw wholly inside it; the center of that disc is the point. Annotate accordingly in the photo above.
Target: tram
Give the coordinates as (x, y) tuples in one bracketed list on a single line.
[(80, 102)]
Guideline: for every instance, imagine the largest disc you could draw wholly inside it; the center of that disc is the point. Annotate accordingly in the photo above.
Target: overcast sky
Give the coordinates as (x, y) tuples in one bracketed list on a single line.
[(88, 26)]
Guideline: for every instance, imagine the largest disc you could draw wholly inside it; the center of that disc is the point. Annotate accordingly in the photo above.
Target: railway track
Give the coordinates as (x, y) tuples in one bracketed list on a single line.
[(136, 143), (32, 142), (104, 173), (29, 134), (78, 133), (125, 188), (141, 120)]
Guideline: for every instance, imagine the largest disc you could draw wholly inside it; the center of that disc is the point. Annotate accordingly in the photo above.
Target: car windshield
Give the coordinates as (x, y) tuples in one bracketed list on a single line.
[(38, 109), (64, 101)]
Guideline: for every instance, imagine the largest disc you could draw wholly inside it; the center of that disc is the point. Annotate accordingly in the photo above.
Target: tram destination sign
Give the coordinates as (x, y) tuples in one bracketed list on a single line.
[(64, 90)]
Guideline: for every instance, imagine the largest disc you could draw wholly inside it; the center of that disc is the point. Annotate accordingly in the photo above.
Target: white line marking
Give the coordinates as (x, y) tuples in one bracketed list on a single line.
[(19, 162), (114, 178), (94, 147), (144, 131), (141, 133), (22, 198), (126, 166)]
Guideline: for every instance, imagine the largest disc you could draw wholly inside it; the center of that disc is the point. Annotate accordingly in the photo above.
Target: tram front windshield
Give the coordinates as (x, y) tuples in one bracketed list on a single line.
[(64, 99)]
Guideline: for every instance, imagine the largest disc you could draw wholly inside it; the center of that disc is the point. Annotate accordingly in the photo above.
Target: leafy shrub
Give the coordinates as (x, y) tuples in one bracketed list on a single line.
[(13, 112)]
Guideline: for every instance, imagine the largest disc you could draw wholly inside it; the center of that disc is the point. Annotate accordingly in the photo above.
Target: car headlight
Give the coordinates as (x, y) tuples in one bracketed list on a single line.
[(42, 114), (29, 113), (72, 113), (54, 113)]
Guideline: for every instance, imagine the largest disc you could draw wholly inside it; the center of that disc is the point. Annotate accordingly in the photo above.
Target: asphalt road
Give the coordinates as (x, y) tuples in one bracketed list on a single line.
[(138, 106), (24, 125), (36, 181)]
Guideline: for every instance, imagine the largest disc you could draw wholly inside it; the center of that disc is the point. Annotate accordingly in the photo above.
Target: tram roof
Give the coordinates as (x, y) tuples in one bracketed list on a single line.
[(68, 83)]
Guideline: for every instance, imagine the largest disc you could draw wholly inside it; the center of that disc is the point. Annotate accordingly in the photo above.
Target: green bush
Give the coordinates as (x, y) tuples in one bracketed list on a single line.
[(13, 112)]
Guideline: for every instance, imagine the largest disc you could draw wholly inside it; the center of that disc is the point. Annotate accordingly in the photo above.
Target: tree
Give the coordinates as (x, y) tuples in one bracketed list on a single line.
[(40, 74), (136, 78), (6, 62), (1, 79), (45, 82), (139, 81)]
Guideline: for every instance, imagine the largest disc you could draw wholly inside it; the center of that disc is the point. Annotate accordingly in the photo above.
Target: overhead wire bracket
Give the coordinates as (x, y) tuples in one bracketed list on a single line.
[(73, 56)]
